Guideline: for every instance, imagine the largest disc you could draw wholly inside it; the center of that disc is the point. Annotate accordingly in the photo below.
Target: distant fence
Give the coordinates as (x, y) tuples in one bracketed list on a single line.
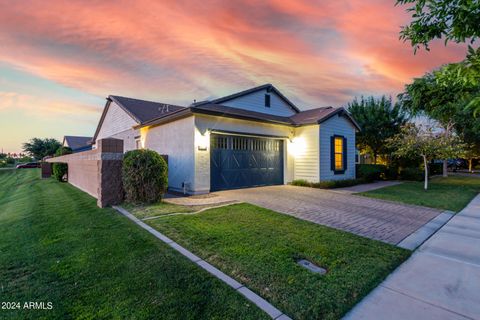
[(98, 172)]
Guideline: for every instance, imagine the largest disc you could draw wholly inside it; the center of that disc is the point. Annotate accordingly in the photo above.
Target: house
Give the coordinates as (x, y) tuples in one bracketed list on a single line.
[(256, 137), (77, 144)]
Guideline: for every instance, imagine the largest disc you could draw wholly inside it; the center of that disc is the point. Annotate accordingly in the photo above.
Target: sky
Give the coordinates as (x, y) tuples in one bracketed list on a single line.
[(59, 60)]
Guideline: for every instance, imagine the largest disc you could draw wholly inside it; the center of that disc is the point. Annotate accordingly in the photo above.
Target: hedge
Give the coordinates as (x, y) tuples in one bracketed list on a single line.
[(332, 184), (144, 176), (371, 172), (59, 170)]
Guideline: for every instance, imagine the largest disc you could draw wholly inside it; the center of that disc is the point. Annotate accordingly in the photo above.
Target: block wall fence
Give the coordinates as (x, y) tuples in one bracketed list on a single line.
[(97, 172)]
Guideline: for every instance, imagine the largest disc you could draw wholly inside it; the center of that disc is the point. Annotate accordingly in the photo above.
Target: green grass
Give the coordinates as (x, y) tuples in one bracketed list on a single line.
[(57, 246), (260, 247), (452, 193), (159, 209)]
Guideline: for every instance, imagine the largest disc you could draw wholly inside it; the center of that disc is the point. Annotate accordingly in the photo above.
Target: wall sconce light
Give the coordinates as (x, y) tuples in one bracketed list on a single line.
[(203, 141)]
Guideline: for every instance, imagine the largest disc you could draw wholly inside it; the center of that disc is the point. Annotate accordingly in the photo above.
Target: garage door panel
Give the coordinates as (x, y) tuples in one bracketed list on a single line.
[(240, 162)]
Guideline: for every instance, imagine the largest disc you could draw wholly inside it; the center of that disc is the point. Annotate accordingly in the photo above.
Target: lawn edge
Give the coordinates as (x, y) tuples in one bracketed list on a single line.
[(260, 302)]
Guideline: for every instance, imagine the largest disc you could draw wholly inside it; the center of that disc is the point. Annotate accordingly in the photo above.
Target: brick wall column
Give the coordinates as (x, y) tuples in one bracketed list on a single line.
[(110, 188)]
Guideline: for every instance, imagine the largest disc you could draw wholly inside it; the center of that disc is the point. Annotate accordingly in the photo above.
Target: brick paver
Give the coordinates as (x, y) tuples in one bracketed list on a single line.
[(372, 218)]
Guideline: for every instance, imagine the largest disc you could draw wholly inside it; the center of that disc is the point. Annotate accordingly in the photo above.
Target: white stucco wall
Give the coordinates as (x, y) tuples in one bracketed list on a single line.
[(256, 102), (202, 158), (336, 125), (175, 139), (305, 148)]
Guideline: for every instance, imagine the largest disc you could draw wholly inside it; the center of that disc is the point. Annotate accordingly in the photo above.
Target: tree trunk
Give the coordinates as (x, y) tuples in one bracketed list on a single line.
[(425, 186), (470, 163), (445, 168), (374, 158)]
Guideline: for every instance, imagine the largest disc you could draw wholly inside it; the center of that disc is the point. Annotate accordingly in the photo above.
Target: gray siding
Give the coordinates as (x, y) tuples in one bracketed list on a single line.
[(256, 102), (336, 126)]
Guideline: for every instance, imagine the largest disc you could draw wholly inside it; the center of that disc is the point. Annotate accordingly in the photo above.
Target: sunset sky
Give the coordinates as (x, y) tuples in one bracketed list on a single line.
[(60, 59)]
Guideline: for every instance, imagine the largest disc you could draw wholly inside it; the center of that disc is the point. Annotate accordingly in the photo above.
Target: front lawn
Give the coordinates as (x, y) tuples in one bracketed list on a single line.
[(452, 193), (155, 210), (57, 246), (260, 247)]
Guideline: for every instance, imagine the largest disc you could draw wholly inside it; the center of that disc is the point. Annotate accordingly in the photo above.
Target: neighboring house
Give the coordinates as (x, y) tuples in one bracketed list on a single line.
[(252, 138), (77, 144)]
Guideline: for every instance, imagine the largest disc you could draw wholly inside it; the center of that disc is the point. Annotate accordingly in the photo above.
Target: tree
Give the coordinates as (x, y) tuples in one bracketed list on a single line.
[(39, 148), (452, 20), (423, 141), (379, 120), (449, 95)]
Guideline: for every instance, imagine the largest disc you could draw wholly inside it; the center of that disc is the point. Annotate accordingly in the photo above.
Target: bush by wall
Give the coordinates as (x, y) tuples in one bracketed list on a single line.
[(59, 170), (328, 184), (371, 172), (412, 173), (144, 175)]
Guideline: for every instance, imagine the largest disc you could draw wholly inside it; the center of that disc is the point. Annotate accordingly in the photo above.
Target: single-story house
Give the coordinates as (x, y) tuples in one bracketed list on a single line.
[(256, 137), (77, 143)]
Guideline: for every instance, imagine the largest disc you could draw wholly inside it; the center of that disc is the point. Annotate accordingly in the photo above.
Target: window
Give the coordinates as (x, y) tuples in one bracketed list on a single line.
[(267, 100), (138, 143), (338, 153)]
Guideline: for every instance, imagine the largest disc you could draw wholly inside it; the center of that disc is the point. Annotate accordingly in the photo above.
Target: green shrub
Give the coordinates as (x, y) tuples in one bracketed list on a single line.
[(59, 170), (332, 184), (412, 173), (435, 168), (144, 175), (301, 183), (391, 172), (371, 172)]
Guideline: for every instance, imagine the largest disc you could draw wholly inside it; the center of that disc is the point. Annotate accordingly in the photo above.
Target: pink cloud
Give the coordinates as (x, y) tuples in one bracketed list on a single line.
[(323, 53)]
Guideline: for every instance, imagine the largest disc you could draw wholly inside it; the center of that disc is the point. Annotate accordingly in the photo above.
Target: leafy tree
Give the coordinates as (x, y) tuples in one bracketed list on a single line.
[(379, 120), (452, 20), (425, 142), (451, 96), (39, 148)]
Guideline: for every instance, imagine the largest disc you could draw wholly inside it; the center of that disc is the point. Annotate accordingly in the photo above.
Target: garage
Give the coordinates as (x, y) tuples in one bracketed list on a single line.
[(244, 161)]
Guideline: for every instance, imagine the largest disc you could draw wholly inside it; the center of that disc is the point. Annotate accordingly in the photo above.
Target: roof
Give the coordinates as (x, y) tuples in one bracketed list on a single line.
[(269, 87), (307, 117), (217, 109), (143, 110), (150, 113), (77, 142), (319, 115)]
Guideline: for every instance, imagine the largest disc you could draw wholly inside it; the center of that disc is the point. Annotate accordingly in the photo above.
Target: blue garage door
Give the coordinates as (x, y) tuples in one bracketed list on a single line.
[(241, 162)]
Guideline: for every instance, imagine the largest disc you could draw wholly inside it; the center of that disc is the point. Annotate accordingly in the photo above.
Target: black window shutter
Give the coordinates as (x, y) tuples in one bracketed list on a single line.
[(332, 153), (345, 152)]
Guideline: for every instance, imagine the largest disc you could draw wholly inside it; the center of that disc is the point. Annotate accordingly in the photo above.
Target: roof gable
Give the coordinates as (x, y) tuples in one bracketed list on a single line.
[(254, 100), (141, 111)]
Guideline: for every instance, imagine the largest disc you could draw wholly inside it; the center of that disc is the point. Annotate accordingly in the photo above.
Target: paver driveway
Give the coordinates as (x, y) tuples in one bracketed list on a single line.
[(376, 219)]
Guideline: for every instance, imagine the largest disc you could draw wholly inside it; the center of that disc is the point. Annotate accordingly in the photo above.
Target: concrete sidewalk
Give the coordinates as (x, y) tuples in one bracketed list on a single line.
[(441, 280)]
